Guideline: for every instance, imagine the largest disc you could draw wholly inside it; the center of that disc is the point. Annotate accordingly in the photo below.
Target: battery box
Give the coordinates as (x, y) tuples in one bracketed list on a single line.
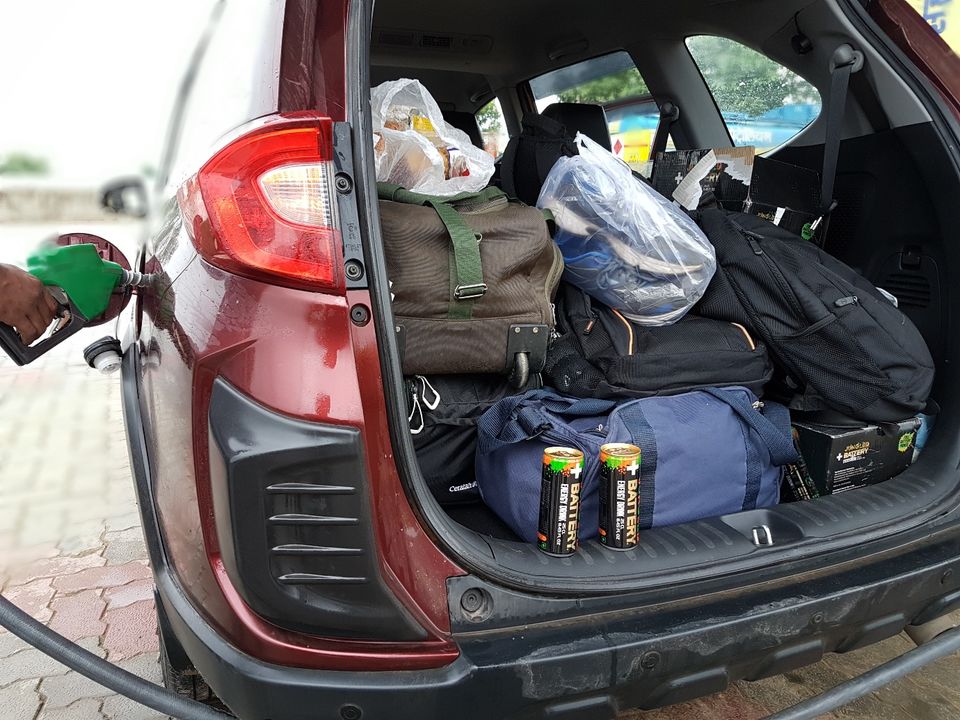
[(837, 459)]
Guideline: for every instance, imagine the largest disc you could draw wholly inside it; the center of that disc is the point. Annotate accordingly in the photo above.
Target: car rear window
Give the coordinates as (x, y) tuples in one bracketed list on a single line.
[(614, 82), (762, 103)]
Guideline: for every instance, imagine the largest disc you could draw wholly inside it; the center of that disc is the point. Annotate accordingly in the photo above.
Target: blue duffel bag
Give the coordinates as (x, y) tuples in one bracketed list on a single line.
[(703, 453)]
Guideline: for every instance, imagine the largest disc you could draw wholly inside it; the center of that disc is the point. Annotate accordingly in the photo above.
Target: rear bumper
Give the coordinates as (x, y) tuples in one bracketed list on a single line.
[(584, 667), (590, 668)]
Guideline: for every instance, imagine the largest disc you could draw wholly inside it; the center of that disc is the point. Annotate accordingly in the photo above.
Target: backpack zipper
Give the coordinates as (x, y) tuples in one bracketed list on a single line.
[(778, 276)]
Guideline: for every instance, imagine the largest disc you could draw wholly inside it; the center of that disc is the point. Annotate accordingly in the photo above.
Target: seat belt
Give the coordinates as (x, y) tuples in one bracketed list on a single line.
[(669, 114), (844, 62)]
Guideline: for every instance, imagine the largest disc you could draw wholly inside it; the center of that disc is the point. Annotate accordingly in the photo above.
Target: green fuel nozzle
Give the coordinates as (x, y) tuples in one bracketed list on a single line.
[(83, 283), (86, 278)]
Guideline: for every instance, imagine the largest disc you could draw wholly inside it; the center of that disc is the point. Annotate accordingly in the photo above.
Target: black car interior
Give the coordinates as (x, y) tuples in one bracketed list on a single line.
[(896, 188)]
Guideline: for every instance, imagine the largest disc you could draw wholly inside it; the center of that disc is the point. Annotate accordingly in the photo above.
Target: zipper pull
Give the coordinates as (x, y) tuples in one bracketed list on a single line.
[(754, 245), (758, 405), (844, 301)]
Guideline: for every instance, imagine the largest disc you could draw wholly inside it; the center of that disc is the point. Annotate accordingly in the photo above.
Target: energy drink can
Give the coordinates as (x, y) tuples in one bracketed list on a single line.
[(619, 495), (560, 501)]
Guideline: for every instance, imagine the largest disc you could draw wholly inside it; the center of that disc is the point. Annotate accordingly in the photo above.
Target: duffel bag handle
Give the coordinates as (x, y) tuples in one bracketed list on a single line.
[(521, 417), (468, 283), (771, 423)]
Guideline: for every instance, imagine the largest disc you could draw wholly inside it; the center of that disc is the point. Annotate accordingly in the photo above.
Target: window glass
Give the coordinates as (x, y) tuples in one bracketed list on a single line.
[(493, 129), (614, 82), (762, 103)]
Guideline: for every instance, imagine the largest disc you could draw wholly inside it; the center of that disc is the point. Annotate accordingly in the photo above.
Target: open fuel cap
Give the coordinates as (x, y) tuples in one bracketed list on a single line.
[(103, 355)]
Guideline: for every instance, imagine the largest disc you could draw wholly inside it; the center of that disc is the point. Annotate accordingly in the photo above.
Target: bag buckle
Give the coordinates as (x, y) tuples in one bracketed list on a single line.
[(470, 292)]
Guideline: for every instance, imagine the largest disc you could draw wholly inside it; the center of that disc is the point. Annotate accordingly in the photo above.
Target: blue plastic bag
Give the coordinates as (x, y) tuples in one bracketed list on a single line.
[(622, 242)]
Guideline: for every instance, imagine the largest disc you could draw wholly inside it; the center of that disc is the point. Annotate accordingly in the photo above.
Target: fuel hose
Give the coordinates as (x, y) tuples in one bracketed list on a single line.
[(99, 670), (944, 644)]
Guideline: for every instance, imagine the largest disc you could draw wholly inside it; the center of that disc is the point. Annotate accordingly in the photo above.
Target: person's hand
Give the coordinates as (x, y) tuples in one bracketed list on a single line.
[(25, 303)]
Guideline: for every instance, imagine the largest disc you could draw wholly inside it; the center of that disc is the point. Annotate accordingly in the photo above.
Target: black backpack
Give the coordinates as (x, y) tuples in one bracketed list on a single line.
[(443, 412), (529, 157), (602, 354), (843, 345)]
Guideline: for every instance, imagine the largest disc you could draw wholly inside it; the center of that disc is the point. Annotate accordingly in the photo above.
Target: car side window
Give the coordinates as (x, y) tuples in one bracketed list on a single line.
[(493, 128), (614, 82), (762, 103)]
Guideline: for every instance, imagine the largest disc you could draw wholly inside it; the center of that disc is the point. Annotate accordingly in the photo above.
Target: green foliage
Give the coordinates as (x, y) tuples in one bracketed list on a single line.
[(17, 163), (489, 118), (744, 81), (626, 83)]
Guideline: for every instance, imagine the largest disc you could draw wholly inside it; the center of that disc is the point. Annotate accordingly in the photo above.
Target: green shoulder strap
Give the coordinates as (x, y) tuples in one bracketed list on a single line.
[(467, 276)]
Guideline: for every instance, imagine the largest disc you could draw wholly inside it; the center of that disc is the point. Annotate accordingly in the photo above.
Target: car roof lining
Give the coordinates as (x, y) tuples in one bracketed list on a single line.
[(495, 55)]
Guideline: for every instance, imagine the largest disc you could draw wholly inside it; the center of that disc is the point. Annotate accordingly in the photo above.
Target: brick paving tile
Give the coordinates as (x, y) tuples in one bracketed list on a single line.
[(84, 709), (20, 701), (102, 577), (10, 644), (32, 597), (145, 665), (64, 690), (28, 664), (81, 537), (122, 552), (118, 707), (123, 595), (78, 616), (131, 630), (55, 567)]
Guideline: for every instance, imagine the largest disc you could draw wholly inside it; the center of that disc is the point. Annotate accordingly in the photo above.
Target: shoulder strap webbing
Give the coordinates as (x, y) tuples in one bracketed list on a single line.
[(669, 114), (467, 273), (842, 65)]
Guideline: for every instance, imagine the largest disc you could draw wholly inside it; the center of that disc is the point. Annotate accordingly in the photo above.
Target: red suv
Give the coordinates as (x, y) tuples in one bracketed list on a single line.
[(303, 568)]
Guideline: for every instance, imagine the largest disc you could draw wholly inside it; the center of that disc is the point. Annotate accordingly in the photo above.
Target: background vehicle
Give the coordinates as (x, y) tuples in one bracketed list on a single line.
[(300, 560)]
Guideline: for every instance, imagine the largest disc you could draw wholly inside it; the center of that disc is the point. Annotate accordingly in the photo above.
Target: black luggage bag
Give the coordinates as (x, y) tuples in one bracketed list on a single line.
[(443, 412), (843, 345), (600, 353)]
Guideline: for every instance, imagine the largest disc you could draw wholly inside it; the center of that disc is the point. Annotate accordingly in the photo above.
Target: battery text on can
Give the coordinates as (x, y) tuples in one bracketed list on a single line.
[(560, 485), (619, 495)]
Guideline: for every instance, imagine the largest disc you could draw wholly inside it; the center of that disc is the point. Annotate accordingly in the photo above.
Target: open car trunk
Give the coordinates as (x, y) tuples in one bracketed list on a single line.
[(897, 184)]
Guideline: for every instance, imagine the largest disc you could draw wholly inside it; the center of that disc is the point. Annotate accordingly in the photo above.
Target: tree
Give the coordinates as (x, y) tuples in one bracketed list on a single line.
[(18, 163), (744, 81), (623, 84), (489, 118)]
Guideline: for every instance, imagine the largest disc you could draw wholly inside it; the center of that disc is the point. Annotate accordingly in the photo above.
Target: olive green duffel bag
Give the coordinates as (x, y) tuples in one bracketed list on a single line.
[(473, 278)]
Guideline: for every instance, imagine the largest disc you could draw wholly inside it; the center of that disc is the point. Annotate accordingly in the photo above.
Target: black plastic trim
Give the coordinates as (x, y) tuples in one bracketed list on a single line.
[(280, 483), (344, 183)]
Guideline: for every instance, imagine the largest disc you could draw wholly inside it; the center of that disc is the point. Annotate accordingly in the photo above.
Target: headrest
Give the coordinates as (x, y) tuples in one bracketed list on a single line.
[(591, 120), (467, 122)]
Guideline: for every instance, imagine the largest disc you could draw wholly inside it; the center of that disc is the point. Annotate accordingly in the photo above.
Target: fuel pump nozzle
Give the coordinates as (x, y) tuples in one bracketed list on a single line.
[(82, 282)]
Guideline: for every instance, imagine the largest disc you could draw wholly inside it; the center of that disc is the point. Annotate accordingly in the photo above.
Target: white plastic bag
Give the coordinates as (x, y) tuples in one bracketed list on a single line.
[(415, 148), (622, 242)]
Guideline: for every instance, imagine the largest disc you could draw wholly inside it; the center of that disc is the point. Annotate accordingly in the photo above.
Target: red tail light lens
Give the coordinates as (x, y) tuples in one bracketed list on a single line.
[(264, 206)]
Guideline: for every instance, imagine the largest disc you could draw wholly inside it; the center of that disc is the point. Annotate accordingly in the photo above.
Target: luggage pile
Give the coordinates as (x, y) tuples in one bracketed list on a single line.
[(606, 362)]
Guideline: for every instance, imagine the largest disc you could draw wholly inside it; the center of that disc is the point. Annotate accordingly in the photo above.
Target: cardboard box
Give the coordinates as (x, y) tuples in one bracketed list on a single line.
[(837, 459)]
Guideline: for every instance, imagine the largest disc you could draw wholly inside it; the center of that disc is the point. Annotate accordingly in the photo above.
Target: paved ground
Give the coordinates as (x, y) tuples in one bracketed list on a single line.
[(71, 553), (70, 542)]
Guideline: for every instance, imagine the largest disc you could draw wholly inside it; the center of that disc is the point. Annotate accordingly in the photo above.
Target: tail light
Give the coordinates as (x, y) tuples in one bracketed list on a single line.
[(264, 205)]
